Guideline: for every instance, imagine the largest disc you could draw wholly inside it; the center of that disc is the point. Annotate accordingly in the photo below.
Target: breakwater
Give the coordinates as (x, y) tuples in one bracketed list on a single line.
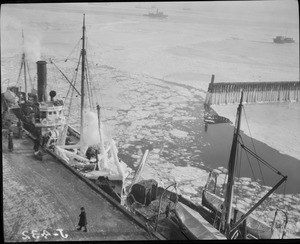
[(254, 92)]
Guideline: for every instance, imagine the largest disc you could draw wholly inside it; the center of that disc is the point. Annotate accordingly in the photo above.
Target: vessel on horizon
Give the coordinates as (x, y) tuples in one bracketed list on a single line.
[(156, 14), (283, 39)]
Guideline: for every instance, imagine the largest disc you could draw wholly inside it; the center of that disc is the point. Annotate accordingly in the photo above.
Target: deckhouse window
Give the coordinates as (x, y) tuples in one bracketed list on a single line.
[(43, 115)]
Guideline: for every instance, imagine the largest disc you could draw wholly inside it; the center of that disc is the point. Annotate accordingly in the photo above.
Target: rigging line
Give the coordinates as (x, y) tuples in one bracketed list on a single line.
[(89, 74), (262, 176), (236, 169), (20, 71), (240, 161), (75, 80), (32, 85), (239, 172), (284, 190), (88, 81), (262, 160), (89, 90), (71, 99), (69, 89), (65, 77), (248, 160), (73, 50), (253, 144)]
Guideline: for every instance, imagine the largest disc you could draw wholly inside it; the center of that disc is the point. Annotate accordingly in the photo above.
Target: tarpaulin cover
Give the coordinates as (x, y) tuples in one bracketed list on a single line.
[(196, 224)]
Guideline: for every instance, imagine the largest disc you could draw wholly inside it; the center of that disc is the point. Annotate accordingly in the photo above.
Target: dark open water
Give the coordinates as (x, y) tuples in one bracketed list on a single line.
[(217, 154)]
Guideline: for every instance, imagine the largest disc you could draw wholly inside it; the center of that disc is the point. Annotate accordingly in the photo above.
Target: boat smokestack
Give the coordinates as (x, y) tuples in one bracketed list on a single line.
[(42, 80)]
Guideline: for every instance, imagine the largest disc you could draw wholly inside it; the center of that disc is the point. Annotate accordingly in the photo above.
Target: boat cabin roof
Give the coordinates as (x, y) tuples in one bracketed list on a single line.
[(51, 106)]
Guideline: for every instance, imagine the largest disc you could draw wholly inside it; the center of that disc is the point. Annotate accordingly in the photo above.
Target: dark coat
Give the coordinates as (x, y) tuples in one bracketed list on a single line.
[(82, 220), (10, 140)]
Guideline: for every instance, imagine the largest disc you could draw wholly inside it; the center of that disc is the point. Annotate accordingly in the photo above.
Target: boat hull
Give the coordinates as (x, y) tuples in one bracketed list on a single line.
[(255, 227), (180, 218)]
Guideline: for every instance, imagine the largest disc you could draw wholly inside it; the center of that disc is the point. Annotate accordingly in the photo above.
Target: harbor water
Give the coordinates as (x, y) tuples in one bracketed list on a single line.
[(132, 55)]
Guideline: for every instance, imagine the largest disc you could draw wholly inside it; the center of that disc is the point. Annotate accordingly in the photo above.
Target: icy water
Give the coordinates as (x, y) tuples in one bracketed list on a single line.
[(219, 137), (188, 47), (130, 56)]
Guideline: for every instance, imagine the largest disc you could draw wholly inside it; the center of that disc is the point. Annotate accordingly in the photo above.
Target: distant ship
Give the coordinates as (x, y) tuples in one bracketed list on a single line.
[(282, 39), (156, 15)]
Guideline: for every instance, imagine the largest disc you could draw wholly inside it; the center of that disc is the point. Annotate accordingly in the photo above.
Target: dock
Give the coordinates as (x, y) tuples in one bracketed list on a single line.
[(42, 201), (254, 92)]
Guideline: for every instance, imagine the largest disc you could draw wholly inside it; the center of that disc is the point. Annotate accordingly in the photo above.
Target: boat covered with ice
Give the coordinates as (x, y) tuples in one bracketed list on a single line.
[(89, 150)]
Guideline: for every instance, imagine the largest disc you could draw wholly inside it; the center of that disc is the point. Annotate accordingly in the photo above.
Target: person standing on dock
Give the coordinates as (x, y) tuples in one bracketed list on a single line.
[(82, 220), (10, 140), (168, 208), (36, 146)]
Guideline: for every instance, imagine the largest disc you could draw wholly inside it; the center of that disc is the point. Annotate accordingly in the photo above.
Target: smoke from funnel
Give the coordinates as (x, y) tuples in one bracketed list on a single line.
[(32, 46)]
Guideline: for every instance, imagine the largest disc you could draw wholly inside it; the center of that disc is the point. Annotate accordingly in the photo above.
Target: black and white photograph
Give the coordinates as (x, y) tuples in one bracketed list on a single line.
[(149, 121)]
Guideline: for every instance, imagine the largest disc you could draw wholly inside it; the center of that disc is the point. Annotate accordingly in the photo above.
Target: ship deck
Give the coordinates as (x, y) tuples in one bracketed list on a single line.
[(45, 195)]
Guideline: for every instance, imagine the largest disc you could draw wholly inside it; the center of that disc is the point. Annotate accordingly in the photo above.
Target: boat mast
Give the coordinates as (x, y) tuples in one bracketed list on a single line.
[(23, 65), (83, 54), (231, 167), (23, 57)]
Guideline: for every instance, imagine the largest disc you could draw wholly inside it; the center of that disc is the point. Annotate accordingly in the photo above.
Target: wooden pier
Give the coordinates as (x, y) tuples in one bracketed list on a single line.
[(254, 92), (42, 201)]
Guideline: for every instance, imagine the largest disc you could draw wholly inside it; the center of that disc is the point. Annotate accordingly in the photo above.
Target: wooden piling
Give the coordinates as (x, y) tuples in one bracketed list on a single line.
[(254, 92)]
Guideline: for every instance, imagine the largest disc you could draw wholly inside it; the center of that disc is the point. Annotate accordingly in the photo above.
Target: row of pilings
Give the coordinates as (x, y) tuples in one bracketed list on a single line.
[(254, 92)]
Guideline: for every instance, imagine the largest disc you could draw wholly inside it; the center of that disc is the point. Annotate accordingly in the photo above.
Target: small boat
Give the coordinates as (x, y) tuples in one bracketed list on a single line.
[(157, 14), (282, 39)]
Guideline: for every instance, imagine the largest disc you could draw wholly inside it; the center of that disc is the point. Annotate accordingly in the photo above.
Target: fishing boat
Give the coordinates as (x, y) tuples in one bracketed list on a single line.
[(189, 221), (283, 39), (14, 96), (170, 214), (157, 14), (227, 217), (89, 151), (92, 153)]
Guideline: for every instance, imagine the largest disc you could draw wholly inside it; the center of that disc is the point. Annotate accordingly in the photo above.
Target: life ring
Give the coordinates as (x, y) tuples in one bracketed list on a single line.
[(44, 122)]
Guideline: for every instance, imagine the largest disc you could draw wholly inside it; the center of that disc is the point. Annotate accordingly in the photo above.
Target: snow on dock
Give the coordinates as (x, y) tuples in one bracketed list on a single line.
[(42, 199)]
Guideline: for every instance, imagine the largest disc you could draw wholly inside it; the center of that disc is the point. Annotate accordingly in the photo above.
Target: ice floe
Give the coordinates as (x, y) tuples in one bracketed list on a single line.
[(178, 133)]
